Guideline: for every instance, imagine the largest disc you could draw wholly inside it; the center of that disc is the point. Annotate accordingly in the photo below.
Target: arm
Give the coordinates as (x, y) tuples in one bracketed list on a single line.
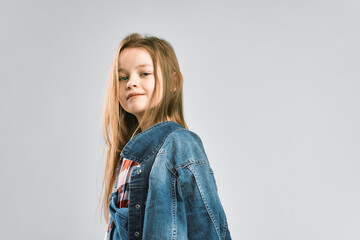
[(204, 213), (183, 201)]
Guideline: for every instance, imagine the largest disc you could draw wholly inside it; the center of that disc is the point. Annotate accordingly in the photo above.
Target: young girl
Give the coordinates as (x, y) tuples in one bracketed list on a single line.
[(158, 183)]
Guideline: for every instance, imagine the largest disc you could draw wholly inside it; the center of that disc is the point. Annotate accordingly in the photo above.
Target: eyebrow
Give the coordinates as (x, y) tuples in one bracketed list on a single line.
[(138, 66)]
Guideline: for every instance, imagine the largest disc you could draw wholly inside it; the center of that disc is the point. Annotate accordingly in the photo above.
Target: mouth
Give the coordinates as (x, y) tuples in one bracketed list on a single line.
[(134, 96)]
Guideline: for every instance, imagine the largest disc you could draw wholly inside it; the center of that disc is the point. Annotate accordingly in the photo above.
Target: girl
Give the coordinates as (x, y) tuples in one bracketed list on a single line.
[(158, 183)]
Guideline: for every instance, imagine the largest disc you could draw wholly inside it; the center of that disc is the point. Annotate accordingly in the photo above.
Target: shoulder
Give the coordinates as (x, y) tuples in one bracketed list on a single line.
[(184, 138), (183, 146), (182, 133)]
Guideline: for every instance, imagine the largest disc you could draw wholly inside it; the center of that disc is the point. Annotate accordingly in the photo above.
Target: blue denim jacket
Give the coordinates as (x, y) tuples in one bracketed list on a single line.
[(173, 193)]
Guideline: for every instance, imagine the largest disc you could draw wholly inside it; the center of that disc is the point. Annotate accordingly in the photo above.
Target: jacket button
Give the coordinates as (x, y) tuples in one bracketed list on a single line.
[(138, 171), (137, 206), (137, 234)]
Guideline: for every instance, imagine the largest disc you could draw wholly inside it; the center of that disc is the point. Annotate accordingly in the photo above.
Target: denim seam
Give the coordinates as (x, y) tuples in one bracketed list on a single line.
[(191, 167), (147, 131), (224, 229), (174, 207), (156, 150), (130, 216), (171, 168), (191, 161)]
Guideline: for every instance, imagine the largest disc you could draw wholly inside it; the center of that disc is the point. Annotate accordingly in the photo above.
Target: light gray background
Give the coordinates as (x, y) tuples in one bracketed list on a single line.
[(271, 87)]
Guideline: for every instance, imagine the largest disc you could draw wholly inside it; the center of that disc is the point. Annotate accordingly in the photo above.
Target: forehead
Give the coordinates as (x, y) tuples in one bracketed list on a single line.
[(132, 57)]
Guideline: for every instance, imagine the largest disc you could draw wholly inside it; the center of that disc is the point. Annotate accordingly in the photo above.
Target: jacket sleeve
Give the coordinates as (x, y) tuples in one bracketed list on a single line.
[(191, 208), (198, 192)]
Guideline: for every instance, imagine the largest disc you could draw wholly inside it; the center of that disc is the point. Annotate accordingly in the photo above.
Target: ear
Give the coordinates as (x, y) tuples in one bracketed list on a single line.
[(177, 79)]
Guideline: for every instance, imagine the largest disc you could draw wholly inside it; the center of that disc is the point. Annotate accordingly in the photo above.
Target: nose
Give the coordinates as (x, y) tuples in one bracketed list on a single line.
[(133, 82)]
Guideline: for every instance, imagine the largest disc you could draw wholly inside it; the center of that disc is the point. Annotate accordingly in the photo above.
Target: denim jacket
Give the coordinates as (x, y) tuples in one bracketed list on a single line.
[(173, 193)]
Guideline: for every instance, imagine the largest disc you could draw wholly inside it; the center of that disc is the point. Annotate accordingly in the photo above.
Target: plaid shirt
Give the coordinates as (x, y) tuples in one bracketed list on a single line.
[(123, 182), (122, 187)]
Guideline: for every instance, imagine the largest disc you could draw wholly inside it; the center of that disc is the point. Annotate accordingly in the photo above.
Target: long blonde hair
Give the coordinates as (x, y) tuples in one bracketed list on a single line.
[(119, 126)]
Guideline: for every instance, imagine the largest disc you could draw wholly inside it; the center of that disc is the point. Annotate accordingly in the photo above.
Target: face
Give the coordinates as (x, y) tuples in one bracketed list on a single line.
[(136, 80)]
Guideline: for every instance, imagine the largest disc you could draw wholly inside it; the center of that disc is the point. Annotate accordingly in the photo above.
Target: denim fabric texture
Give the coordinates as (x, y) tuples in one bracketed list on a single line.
[(118, 216), (173, 193)]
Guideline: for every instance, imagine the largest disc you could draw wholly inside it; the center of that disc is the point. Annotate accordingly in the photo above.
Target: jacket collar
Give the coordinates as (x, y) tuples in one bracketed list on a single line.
[(147, 143)]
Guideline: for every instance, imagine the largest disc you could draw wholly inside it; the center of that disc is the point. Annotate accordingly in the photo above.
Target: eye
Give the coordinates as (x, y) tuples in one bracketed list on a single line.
[(123, 78), (144, 74)]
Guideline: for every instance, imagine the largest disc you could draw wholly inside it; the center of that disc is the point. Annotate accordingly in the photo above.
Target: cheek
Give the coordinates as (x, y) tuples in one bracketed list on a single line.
[(157, 94), (122, 103), (120, 95), (150, 87), (160, 89)]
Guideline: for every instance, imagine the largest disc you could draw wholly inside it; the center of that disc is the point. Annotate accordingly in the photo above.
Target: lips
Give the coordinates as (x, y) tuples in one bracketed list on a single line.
[(134, 94)]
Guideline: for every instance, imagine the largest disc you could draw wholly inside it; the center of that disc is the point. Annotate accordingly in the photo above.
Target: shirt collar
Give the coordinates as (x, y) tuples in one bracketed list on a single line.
[(145, 144)]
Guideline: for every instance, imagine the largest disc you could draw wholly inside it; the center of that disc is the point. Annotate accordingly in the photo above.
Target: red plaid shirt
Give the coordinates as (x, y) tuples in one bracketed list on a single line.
[(123, 186), (123, 182)]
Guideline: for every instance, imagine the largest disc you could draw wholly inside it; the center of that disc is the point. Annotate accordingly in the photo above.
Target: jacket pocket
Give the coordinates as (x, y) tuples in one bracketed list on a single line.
[(121, 222), (119, 218)]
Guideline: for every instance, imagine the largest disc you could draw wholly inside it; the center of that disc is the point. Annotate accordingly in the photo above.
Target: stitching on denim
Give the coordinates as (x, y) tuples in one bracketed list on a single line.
[(224, 229), (173, 198), (148, 130), (171, 168), (191, 167), (156, 149), (130, 216), (191, 161), (161, 152)]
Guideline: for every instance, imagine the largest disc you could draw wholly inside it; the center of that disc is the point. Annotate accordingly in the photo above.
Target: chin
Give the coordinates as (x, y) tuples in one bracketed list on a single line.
[(137, 111)]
